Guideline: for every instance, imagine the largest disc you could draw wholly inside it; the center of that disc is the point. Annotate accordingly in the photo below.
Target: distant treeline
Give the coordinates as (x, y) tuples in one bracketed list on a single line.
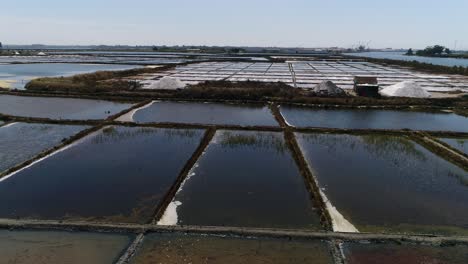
[(436, 51)]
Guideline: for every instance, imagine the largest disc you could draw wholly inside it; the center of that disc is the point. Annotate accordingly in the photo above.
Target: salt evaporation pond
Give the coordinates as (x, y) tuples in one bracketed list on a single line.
[(246, 179), (41, 247), (367, 253), (206, 113), (389, 183), (120, 174), (16, 76), (59, 108), (180, 248), (20, 142), (374, 119), (458, 143)]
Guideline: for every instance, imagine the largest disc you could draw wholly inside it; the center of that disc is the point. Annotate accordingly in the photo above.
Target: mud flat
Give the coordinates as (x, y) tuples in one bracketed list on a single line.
[(180, 248), (20, 142), (374, 119), (119, 174), (388, 184), (457, 143), (366, 253), (205, 113), (59, 108), (246, 179), (39, 247)]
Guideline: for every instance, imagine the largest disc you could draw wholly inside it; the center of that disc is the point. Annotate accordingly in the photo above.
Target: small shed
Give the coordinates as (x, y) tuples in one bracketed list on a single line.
[(366, 86)]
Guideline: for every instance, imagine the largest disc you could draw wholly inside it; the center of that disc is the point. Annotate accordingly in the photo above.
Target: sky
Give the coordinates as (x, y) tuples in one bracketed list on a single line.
[(266, 23)]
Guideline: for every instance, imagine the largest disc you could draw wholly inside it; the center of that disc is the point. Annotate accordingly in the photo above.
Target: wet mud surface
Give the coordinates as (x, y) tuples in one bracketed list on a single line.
[(178, 248)]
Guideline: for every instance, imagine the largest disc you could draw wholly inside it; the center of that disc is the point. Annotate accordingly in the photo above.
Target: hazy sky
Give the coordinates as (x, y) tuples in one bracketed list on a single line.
[(293, 23)]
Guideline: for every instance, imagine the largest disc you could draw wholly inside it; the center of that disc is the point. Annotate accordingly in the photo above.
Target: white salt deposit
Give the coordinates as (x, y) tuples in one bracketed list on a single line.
[(328, 88), (128, 117), (167, 83), (170, 216), (405, 89), (339, 223)]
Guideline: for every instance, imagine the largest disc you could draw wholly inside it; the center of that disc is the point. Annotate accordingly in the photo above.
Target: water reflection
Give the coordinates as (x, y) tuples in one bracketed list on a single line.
[(458, 143), (389, 184), (254, 140), (112, 134), (206, 113), (59, 108), (21, 141), (246, 178), (385, 147), (374, 119), (119, 174)]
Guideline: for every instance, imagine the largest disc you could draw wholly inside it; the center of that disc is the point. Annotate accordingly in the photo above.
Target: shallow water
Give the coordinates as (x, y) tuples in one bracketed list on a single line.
[(59, 108), (247, 179), (206, 113), (374, 119), (179, 248), (388, 183), (458, 143), (120, 174), (400, 56), (18, 75), (404, 254), (20, 142), (40, 247)]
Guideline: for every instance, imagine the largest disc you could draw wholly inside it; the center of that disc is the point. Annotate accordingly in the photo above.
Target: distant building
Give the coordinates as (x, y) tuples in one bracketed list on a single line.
[(366, 86)]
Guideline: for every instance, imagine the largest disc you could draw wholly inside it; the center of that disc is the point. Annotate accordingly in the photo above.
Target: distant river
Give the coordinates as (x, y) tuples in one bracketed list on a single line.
[(400, 56)]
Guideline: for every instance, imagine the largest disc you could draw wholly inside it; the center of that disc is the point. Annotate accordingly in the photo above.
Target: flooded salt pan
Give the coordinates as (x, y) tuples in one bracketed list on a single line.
[(179, 248), (356, 253), (246, 179), (59, 108), (374, 119), (206, 113), (41, 247), (388, 183), (20, 142), (119, 174)]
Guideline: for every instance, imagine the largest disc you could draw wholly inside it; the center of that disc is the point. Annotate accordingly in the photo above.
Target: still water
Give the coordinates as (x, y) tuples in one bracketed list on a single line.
[(119, 174), (458, 143), (20, 142), (59, 108), (374, 119), (246, 179), (388, 183), (400, 56), (206, 113)]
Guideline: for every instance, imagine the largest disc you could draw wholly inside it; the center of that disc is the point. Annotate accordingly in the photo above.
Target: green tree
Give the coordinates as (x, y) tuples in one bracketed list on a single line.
[(410, 52)]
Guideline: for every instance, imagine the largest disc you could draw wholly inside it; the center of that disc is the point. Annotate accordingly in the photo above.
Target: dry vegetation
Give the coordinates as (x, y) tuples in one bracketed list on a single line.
[(92, 82)]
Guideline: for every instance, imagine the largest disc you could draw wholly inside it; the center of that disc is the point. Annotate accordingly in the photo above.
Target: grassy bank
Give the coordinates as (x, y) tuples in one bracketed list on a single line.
[(101, 81)]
